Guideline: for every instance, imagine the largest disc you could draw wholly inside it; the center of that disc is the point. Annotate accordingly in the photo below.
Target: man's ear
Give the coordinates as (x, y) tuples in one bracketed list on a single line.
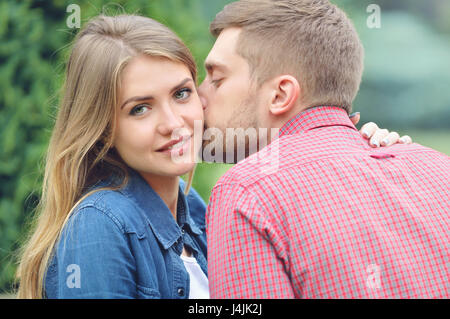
[(285, 93)]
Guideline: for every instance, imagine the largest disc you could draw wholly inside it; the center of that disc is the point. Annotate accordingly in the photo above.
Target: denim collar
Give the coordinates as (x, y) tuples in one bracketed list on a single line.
[(159, 217)]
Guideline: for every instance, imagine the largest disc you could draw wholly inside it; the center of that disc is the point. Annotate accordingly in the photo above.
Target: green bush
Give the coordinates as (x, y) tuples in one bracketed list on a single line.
[(28, 83)]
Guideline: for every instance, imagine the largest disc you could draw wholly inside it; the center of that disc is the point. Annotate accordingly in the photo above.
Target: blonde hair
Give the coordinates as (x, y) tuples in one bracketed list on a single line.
[(312, 40), (79, 152)]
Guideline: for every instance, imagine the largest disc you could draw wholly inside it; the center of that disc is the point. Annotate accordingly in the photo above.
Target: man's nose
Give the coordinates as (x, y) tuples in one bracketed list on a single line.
[(203, 100), (201, 94)]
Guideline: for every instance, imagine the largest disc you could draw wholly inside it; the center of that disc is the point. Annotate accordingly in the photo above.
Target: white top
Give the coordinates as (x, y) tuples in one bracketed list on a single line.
[(198, 287)]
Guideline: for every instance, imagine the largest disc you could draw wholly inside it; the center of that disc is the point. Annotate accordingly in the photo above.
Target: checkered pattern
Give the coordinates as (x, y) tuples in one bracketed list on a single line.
[(334, 219)]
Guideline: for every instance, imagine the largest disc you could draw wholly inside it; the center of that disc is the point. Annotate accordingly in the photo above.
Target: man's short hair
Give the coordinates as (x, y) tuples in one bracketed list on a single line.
[(312, 40)]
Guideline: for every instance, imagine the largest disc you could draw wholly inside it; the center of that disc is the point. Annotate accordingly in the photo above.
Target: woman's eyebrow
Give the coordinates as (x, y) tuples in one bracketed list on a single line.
[(150, 97), (179, 86), (136, 99)]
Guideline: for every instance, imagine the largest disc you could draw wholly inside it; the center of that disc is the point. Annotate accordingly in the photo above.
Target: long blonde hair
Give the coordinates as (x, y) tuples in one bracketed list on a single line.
[(79, 152)]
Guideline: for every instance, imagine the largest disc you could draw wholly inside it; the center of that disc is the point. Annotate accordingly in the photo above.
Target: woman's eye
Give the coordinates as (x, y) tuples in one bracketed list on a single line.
[(139, 109), (183, 94)]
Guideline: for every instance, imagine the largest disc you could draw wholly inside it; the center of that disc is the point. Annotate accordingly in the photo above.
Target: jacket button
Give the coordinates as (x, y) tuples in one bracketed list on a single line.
[(180, 292)]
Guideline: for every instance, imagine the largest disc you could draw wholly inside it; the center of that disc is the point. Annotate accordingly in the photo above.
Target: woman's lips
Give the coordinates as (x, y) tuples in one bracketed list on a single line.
[(178, 148)]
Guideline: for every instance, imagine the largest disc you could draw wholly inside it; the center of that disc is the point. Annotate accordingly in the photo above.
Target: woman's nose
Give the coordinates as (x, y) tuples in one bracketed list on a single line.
[(170, 121), (201, 94)]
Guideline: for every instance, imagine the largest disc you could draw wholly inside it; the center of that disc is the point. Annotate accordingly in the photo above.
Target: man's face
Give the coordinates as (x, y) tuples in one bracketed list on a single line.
[(229, 97)]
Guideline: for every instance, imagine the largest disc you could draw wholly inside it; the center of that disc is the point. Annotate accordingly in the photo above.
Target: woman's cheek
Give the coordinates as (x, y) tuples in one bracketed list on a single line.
[(136, 138)]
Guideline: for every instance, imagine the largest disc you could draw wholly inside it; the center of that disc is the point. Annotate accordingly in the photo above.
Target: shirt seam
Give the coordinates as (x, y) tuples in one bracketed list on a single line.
[(261, 209), (102, 209)]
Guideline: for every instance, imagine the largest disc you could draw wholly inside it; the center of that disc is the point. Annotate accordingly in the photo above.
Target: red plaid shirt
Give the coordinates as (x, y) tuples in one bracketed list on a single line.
[(320, 214)]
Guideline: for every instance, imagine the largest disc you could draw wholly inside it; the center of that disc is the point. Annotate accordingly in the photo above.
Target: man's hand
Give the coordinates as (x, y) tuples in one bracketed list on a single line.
[(377, 136)]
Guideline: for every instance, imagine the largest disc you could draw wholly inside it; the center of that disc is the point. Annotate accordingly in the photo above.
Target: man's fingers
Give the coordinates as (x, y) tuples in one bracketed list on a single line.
[(390, 139), (368, 129), (405, 139), (377, 137)]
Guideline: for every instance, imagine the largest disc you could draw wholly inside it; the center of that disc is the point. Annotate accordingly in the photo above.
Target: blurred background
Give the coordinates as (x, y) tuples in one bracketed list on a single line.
[(405, 87)]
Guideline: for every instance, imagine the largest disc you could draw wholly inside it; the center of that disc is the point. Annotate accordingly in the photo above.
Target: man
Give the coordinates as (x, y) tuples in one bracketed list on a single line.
[(317, 213)]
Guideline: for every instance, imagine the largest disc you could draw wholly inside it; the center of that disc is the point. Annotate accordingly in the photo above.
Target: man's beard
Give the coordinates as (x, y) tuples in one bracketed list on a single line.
[(238, 139)]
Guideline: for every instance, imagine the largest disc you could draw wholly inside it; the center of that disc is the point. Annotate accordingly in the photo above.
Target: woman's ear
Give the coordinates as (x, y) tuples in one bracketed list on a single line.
[(286, 91)]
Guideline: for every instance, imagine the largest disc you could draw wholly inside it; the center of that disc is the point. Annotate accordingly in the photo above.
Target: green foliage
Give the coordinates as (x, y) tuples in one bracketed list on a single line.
[(407, 71), (407, 63), (27, 84)]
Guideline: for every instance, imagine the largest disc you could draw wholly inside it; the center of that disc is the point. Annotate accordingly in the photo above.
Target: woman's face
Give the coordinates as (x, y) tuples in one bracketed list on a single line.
[(158, 104)]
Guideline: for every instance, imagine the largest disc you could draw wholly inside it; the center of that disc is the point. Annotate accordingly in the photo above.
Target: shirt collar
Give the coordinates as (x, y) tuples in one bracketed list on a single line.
[(314, 117), (159, 217)]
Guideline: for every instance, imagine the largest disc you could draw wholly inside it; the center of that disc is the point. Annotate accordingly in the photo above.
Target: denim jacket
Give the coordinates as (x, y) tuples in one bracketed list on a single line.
[(126, 244)]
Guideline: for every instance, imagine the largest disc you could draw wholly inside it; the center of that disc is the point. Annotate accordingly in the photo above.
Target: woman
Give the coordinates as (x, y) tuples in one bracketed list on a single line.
[(115, 219)]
